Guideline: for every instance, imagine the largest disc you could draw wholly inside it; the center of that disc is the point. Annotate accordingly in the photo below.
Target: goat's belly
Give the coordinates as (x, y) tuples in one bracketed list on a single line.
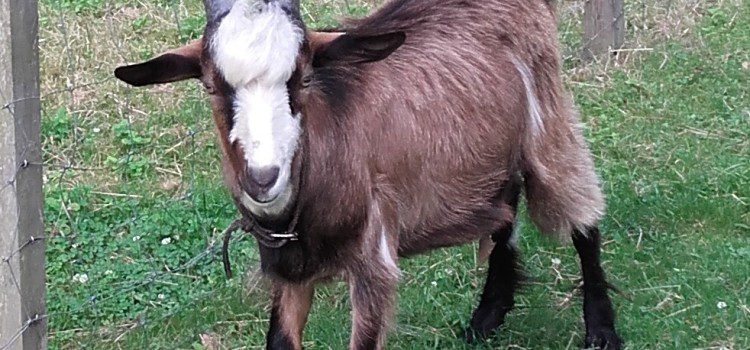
[(452, 232)]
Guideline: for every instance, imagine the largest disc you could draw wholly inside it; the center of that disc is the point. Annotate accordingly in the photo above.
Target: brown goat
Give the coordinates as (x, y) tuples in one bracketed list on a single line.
[(412, 129)]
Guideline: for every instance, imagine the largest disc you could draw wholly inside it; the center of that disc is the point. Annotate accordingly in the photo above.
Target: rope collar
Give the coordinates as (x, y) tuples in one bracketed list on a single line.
[(266, 237), (270, 238)]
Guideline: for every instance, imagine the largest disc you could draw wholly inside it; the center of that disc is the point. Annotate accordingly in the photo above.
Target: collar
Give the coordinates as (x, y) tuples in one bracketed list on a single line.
[(271, 238), (268, 238)]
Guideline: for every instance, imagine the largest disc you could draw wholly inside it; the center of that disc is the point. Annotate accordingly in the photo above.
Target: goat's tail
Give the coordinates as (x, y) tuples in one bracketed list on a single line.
[(562, 188)]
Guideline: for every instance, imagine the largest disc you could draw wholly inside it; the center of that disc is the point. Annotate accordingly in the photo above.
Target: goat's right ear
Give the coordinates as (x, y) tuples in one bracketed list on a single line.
[(179, 64)]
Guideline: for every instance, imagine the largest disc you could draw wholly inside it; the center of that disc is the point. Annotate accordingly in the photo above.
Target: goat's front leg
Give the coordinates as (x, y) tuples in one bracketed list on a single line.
[(372, 295), (372, 290), (289, 310)]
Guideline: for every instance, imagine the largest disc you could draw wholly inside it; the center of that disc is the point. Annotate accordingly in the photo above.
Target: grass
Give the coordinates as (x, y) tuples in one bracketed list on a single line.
[(134, 199)]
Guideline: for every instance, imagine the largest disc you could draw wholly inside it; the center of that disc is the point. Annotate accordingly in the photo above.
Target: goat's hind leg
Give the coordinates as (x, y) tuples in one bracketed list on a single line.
[(503, 276), (597, 307)]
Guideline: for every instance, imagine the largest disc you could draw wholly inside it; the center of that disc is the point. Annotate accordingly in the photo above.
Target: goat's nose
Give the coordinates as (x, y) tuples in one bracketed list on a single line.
[(264, 177)]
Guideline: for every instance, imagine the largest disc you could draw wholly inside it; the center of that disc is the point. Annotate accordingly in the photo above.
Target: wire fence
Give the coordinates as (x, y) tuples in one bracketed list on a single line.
[(134, 208), (103, 179)]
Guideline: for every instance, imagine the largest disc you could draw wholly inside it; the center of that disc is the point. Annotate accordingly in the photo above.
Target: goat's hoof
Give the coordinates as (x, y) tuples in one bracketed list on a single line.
[(473, 336), (603, 338), (485, 321)]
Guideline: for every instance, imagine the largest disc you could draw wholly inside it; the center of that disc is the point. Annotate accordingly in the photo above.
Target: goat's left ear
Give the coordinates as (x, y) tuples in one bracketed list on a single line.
[(179, 64), (354, 49)]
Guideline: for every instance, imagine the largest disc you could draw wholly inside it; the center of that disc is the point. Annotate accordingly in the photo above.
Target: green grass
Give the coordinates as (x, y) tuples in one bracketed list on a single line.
[(668, 127)]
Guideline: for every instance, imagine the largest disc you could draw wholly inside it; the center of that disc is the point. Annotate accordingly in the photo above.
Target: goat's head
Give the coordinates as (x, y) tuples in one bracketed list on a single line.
[(259, 64)]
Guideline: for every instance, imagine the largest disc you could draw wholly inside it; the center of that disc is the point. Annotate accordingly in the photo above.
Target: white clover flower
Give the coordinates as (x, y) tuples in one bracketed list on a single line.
[(108, 272), (434, 283), (721, 305), (161, 296), (81, 278), (556, 261), (136, 238), (166, 241)]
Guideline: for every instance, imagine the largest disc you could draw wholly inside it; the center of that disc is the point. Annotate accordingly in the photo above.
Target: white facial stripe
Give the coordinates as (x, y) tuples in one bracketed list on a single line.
[(256, 41), (264, 126), (255, 48), (535, 112)]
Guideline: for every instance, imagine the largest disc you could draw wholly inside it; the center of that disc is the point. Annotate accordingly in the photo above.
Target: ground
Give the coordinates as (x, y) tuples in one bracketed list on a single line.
[(134, 202)]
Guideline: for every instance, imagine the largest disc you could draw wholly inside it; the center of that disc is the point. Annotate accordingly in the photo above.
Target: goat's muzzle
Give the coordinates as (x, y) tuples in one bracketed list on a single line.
[(257, 182)]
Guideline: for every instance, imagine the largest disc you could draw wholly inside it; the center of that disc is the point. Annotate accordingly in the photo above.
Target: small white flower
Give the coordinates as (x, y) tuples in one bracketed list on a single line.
[(81, 278), (96, 130), (136, 238), (108, 272), (166, 241), (161, 296), (556, 261), (434, 283), (721, 305)]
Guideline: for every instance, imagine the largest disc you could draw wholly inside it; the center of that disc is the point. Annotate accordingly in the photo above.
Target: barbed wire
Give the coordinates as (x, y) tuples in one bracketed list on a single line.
[(70, 161)]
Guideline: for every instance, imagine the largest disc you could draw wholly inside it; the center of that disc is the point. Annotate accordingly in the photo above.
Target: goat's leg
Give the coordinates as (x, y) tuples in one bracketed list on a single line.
[(372, 301), (289, 310), (503, 277), (597, 307), (504, 272)]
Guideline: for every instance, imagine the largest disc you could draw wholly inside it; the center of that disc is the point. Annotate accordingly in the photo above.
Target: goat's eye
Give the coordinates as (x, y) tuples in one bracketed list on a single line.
[(307, 80), (209, 88)]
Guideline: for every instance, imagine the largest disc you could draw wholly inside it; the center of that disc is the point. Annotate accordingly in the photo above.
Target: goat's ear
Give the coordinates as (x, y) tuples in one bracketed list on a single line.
[(179, 64), (353, 48)]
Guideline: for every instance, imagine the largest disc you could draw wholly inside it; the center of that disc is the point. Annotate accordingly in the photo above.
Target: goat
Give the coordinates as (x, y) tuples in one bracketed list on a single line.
[(414, 128)]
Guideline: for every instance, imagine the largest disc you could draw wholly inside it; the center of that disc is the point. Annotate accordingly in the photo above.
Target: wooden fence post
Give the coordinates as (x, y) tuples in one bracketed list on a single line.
[(23, 316), (603, 27)]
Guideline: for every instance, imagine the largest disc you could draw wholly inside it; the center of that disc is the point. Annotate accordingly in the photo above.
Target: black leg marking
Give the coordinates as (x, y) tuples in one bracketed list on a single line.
[(597, 307), (503, 276)]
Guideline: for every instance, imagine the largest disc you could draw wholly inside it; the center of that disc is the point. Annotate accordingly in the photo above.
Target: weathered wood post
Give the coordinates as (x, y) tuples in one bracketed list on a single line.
[(22, 311), (603, 27)]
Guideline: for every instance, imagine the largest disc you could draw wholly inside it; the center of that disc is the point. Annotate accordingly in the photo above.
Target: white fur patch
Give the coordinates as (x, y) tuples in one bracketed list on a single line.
[(385, 255), (256, 41), (535, 112), (273, 208), (255, 48)]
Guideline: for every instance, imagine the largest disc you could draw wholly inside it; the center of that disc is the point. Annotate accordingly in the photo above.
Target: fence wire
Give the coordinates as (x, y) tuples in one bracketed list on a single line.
[(80, 43), (119, 163)]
